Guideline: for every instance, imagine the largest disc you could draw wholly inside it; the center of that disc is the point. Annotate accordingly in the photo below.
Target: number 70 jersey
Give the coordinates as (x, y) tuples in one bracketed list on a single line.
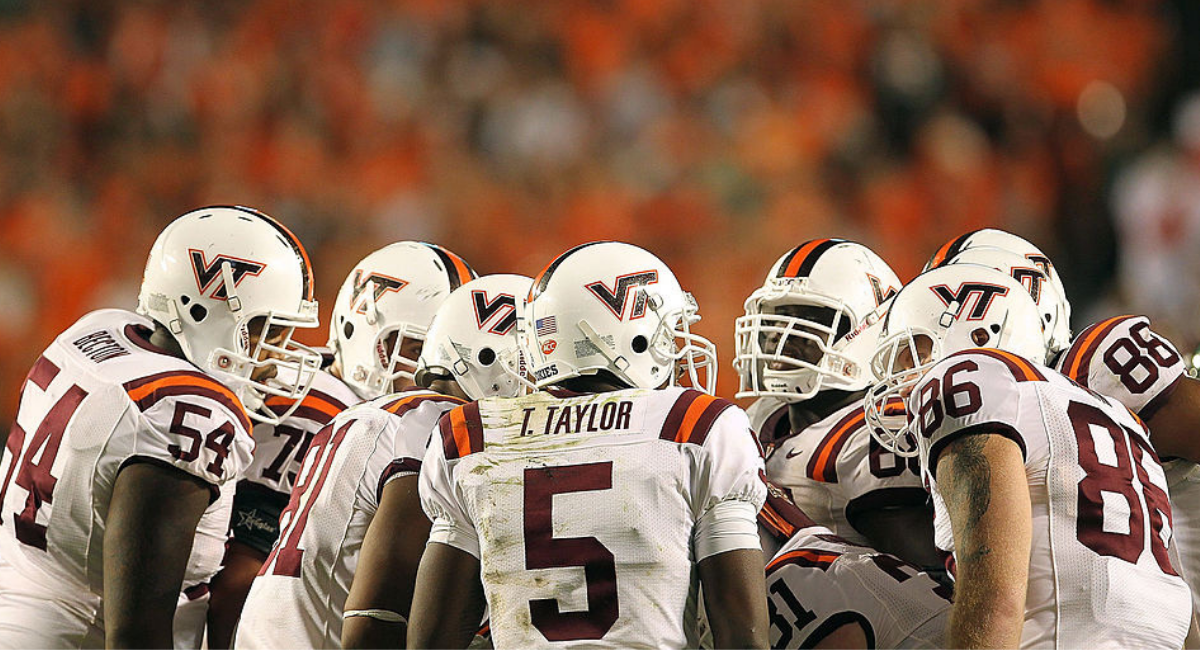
[(1099, 570), (587, 513)]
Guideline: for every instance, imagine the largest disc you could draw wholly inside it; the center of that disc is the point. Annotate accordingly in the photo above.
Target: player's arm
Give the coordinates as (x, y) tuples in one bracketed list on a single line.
[(982, 480), (1173, 425), (382, 592), (850, 635), (229, 589), (734, 588), (152, 521), (448, 602)]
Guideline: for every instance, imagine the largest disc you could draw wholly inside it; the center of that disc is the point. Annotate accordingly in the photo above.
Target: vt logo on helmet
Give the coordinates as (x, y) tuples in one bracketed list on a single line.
[(986, 292), (486, 309), (616, 300), (379, 283), (206, 272)]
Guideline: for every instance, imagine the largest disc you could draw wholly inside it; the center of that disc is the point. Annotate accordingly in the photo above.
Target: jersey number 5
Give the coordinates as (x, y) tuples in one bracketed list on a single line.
[(545, 551)]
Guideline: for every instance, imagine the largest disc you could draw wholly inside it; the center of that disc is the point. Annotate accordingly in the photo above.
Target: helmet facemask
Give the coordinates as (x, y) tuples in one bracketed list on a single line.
[(899, 363), (793, 344)]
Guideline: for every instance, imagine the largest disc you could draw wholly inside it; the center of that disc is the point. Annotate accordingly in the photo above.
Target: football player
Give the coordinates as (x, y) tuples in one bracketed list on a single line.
[(590, 513), (826, 592), (1122, 358), (380, 324), (804, 350), (131, 429), (472, 345), (1049, 495), (379, 321)]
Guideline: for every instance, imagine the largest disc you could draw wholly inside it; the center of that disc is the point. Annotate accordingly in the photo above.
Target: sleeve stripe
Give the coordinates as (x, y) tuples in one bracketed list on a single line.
[(43, 372), (675, 416), (695, 431), (1079, 357), (805, 557), (1021, 369), (775, 523), (148, 391), (397, 466), (462, 431)]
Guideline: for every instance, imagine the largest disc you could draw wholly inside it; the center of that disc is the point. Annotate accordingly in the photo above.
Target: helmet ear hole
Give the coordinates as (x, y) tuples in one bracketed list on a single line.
[(487, 356), (980, 336), (198, 312), (639, 344), (184, 299), (348, 329)]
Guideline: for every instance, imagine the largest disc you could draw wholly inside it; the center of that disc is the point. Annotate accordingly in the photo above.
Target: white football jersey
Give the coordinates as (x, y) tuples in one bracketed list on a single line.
[(834, 469), (298, 597), (99, 397), (1123, 358), (589, 512), (819, 582), (1099, 569)]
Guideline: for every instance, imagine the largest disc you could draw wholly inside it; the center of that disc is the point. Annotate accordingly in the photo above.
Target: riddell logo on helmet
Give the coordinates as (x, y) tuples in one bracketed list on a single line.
[(986, 294), (382, 284), (616, 298), (208, 272), (486, 310)]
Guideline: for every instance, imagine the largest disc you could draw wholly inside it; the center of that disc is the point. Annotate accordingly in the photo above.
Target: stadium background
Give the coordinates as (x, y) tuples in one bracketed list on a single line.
[(717, 133)]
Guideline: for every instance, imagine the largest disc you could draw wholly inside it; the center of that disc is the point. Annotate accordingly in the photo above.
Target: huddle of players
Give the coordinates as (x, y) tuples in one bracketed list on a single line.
[(473, 443)]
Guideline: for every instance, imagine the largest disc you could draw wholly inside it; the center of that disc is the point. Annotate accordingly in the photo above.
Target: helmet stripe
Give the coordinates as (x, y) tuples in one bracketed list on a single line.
[(290, 238), (457, 269), (543, 278), (805, 257), (949, 250)]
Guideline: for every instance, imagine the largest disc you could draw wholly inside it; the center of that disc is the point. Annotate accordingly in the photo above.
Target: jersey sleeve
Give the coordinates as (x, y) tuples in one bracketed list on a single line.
[(441, 501), (971, 392), (730, 487), (414, 419), (191, 422), (1123, 358)]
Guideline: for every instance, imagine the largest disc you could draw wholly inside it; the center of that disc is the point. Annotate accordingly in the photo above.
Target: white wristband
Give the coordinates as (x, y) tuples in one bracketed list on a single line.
[(381, 614)]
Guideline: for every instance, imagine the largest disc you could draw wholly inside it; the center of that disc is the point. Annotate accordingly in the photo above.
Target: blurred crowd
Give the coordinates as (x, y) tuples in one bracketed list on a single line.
[(717, 133)]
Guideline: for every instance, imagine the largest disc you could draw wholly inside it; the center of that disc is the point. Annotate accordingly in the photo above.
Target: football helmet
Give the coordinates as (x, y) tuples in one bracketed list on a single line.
[(216, 272), (615, 307), (394, 291), (809, 327), (1059, 335), (1050, 302), (474, 338), (941, 312)]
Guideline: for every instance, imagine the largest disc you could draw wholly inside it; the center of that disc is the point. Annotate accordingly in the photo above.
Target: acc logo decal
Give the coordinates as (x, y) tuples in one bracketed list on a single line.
[(615, 299), (986, 294), (881, 296), (549, 346), (486, 310), (383, 284), (207, 273)]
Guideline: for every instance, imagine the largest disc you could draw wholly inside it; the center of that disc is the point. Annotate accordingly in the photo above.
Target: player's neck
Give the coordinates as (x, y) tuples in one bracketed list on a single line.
[(801, 415), (597, 383)]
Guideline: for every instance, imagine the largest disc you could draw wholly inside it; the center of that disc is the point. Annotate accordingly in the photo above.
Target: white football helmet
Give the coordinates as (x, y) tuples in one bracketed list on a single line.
[(611, 306), (941, 312), (214, 270), (1059, 335), (809, 327), (474, 338), (395, 290)]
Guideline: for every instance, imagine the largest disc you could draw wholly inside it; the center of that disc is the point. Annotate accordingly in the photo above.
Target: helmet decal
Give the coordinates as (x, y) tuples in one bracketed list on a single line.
[(616, 299), (486, 310), (381, 284), (881, 295), (206, 272), (987, 293)]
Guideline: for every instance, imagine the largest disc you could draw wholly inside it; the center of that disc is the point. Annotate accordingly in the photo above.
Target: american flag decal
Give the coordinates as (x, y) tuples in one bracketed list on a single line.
[(546, 326)]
